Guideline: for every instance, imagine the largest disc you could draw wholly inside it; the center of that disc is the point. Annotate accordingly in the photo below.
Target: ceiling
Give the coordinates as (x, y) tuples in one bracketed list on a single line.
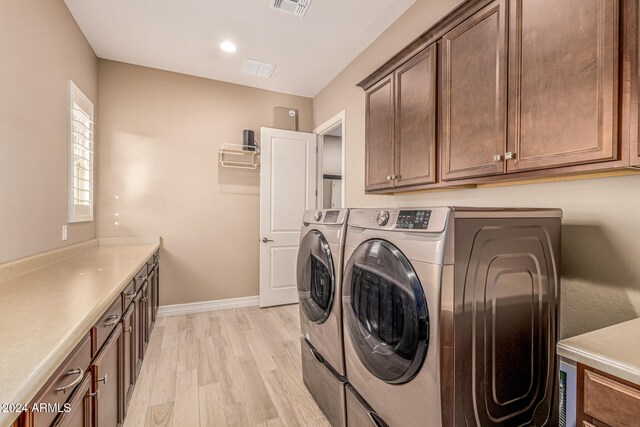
[(184, 36)]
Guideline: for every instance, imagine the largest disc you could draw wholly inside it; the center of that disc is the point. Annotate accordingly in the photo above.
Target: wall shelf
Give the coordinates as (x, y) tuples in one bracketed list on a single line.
[(238, 156)]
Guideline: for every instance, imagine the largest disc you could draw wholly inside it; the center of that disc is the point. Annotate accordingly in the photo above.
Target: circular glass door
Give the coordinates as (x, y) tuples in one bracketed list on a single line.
[(315, 275), (386, 311)]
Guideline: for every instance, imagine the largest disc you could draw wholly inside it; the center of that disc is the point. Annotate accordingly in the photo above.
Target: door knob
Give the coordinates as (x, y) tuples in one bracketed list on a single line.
[(265, 240)]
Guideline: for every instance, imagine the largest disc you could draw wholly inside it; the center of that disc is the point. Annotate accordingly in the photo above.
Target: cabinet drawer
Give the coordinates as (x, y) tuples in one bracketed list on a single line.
[(610, 401), (128, 295), (62, 384), (141, 277), (106, 325)]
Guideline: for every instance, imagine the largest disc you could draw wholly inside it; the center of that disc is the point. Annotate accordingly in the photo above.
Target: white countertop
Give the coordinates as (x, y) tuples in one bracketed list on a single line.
[(45, 313), (614, 350)]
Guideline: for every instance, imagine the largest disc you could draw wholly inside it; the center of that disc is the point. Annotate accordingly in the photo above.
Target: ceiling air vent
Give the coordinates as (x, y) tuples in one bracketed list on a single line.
[(257, 68), (294, 7)]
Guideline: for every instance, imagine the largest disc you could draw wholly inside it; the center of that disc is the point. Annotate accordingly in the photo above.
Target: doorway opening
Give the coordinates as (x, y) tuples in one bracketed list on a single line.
[(331, 163)]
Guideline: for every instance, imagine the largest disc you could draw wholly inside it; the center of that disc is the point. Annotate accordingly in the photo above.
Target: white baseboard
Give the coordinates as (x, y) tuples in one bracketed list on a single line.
[(204, 306)]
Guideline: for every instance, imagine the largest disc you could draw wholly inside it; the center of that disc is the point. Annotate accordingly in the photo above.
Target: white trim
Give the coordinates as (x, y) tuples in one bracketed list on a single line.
[(204, 306), (324, 128)]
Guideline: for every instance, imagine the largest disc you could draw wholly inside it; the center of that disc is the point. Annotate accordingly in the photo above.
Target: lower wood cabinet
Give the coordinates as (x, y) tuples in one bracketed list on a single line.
[(107, 382), (81, 406), (605, 400), (95, 383)]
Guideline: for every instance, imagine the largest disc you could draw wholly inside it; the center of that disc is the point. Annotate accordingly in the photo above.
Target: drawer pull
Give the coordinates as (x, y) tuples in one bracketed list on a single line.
[(130, 295), (144, 299), (143, 278), (111, 320), (104, 379), (79, 372), (129, 329)]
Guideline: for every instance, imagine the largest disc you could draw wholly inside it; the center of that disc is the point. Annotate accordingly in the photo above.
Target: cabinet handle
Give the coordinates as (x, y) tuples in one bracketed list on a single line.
[(509, 155), (144, 299), (73, 383), (104, 379), (129, 329), (111, 320), (497, 157), (388, 177), (130, 295), (143, 278)]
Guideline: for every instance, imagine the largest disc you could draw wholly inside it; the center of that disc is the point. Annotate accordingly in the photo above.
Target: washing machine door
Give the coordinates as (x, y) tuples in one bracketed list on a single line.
[(385, 311), (315, 276)]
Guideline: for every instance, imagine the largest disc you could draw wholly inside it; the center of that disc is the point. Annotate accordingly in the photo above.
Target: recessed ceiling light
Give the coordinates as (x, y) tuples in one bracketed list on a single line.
[(228, 46)]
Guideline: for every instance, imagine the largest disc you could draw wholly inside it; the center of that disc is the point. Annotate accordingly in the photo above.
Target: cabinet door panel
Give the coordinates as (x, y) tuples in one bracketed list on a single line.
[(563, 82), (415, 120), (129, 357), (474, 100), (379, 136), (81, 407), (107, 382)]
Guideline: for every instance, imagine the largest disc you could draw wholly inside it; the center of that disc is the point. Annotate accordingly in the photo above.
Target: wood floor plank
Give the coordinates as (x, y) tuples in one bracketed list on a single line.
[(208, 362), (160, 415), (186, 408), (164, 384), (139, 405), (211, 406)]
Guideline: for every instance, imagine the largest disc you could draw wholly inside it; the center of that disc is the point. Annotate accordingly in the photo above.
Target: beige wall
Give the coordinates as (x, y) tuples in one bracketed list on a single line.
[(600, 248), (159, 135), (41, 47)]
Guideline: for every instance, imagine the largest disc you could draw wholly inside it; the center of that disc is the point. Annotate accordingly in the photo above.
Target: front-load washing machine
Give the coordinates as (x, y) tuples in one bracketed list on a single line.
[(319, 274), (451, 316)]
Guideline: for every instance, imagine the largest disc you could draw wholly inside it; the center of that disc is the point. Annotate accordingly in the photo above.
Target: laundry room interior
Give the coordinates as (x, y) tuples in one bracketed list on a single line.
[(319, 213)]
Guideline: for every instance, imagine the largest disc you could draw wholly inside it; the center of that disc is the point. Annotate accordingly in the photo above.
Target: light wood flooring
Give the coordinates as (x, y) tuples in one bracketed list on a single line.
[(237, 367)]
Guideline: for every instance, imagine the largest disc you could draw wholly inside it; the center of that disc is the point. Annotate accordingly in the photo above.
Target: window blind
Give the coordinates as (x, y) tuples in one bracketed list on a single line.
[(81, 149)]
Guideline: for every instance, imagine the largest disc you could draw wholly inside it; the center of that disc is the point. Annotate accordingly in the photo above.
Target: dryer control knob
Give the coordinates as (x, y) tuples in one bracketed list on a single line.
[(383, 217), (318, 216)]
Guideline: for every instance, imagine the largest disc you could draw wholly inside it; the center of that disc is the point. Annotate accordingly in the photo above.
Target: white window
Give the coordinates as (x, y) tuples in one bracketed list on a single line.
[(81, 141)]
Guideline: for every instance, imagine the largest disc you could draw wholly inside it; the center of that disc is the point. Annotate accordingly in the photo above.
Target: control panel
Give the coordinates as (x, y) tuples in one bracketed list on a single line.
[(331, 217), (413, 220)]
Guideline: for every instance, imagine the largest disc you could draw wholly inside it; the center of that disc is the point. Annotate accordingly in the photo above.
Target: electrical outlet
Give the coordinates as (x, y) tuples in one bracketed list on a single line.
[(64, 232)]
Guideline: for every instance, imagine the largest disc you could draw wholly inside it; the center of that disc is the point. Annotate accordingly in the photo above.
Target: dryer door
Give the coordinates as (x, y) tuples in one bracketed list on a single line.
[(386, 311), (316, 277)]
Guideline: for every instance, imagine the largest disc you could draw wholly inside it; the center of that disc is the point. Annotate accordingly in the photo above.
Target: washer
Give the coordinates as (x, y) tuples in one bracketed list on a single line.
[(319, 275), (451, 315)]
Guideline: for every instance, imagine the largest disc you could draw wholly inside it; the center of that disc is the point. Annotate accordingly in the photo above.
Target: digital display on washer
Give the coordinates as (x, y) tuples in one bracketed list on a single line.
[(331, 216), (413, 220)]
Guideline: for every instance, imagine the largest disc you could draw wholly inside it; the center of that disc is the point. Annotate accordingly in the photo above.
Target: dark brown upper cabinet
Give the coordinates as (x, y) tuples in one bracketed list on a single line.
[(474, 95), (379, 136), (563, 83), (415, 120)]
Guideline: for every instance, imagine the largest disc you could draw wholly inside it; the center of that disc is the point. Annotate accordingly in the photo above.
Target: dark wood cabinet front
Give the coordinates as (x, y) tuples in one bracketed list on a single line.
[(97, 379), (474, 95), (129, 356), (379, 135), (563, 82), (107, 385), (415, 120), (143, 323), (80, 412)]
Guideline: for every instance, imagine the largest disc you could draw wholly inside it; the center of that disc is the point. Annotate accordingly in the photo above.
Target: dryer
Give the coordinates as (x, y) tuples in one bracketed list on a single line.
[(451, 315), (319, 276)]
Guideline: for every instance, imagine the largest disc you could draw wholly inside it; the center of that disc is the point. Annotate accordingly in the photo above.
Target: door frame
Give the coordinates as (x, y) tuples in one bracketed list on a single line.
[(326, 127)]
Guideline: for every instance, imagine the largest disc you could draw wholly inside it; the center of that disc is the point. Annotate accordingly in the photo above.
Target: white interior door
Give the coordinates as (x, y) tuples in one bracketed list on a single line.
[(287, 189)]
